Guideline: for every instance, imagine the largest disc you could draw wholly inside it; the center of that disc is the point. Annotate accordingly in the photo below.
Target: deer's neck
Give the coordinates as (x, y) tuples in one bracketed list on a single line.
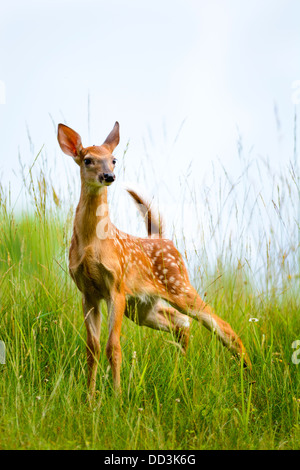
[(92, 215)]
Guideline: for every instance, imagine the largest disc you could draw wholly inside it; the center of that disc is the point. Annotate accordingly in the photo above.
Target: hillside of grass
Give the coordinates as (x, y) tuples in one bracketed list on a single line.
[(202, 400)]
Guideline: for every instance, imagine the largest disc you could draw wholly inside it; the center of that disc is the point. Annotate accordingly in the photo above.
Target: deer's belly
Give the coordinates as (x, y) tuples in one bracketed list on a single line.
[(139, 306)]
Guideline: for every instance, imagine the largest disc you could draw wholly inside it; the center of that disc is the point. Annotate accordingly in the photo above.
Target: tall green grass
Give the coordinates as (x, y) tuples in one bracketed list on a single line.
[(199, 401)]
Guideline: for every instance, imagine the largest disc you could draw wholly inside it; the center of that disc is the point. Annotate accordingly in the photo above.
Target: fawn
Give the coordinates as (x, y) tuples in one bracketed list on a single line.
[(143, 278)]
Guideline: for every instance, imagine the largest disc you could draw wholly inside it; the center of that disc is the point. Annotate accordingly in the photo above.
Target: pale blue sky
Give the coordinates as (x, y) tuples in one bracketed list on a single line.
[(219, 66)]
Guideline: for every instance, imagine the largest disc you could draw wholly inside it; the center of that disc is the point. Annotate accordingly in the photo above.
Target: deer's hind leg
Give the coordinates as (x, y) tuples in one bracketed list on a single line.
[(175, 322), (159, 316), (188, 301)]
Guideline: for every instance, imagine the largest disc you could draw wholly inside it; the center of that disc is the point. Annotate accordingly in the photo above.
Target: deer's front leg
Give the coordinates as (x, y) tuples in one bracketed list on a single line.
[(116, 308), (92, 319)]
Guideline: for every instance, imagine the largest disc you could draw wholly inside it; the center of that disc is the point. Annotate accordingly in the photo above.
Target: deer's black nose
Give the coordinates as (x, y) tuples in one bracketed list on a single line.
[(109, 177)]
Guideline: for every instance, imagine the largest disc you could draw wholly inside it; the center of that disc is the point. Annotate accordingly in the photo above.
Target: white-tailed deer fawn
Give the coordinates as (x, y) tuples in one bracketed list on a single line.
[(134, 275)]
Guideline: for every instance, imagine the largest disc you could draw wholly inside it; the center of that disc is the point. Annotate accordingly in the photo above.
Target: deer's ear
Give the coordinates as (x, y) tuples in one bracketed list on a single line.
[(113, 138), (69, 141)]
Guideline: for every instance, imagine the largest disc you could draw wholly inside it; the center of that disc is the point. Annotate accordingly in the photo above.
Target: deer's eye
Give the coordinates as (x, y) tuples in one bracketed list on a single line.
[(114, 161), (87, 161)]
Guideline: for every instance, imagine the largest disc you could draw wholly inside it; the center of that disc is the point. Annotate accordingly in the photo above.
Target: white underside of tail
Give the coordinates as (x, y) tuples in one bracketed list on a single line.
[(157, 222)]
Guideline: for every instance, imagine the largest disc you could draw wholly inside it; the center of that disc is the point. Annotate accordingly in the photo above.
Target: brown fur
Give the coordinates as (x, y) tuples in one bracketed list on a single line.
[(134, 275)]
